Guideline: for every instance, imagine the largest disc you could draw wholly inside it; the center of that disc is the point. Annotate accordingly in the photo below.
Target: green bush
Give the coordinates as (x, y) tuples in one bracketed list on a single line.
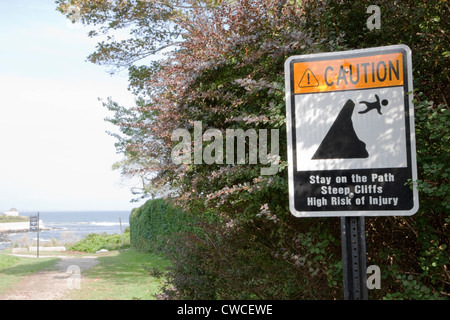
[(94, 242), (154, 223), (248, 263)]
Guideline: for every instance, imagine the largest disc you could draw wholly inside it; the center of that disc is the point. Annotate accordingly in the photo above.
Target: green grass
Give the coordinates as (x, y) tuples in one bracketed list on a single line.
[(122, 276), (6, 219), (14, 269)]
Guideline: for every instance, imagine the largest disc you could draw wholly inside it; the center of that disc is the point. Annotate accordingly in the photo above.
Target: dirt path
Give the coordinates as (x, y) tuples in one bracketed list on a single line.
[(52, 285)]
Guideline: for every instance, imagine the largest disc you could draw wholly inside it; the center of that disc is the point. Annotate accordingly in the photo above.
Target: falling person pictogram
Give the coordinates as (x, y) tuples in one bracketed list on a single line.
[(374, 105)]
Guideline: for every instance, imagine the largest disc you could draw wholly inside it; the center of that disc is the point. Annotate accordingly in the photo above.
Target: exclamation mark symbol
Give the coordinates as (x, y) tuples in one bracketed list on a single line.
[(308, 79)]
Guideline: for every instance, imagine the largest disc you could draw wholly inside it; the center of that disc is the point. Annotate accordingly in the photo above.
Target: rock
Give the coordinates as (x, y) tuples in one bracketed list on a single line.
[(341, 141)]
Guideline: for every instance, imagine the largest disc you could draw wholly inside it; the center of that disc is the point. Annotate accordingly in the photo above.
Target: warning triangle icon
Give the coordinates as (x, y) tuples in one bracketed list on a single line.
[(308, 79)]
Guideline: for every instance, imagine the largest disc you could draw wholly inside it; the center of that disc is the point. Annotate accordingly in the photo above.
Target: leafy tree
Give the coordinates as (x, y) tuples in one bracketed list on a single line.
[(225, 69)]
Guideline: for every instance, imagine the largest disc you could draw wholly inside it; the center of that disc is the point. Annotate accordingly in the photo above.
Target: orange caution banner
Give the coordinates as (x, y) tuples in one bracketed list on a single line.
[(384, 70)]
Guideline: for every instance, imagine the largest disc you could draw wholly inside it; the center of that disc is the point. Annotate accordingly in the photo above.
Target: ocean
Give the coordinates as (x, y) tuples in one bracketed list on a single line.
[(69, 226)]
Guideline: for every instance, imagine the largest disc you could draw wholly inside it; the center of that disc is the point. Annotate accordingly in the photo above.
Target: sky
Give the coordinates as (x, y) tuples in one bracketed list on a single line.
[(55, 153)]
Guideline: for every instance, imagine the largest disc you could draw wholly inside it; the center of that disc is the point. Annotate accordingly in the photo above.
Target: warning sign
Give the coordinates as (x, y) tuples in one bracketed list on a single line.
[(350, 73), (351, 143), (308, 80)]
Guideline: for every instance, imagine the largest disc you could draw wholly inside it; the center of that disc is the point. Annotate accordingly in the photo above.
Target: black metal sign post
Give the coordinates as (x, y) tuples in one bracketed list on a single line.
[(354, 258), (34, 226), (37, 248)]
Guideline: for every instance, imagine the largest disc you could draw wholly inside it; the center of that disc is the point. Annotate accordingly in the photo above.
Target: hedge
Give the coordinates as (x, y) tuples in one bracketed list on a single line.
[(154, 223)]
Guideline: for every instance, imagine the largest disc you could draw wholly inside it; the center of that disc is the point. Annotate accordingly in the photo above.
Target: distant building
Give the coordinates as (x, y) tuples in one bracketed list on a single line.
[(11, 213)]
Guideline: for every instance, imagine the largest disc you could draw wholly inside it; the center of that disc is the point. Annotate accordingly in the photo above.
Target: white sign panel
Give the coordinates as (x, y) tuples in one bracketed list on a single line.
[(350, 124)]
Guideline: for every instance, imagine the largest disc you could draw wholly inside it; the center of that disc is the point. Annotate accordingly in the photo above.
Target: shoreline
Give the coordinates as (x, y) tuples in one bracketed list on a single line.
[(5, 233), (61, 228), (22, 226), (5, 240), (22, 231)]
